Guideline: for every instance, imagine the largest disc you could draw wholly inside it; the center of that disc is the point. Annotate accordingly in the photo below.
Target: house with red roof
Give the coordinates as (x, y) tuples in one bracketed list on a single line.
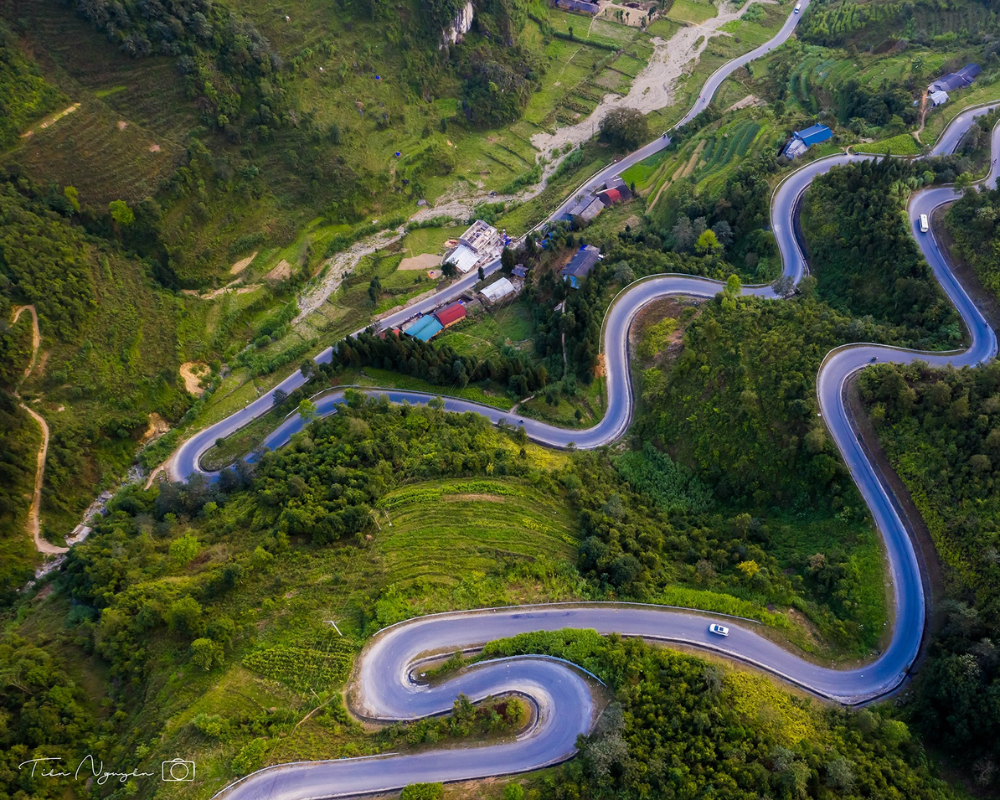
[(451, 314)]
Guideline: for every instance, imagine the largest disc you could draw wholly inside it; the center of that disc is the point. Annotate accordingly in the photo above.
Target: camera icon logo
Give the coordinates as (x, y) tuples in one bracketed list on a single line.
[(177, 769)]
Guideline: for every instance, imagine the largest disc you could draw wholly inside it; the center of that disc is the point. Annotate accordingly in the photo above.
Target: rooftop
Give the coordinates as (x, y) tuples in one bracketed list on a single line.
[(581, 263), (449, 315), (498, 290), (424, 328), (480, 236)]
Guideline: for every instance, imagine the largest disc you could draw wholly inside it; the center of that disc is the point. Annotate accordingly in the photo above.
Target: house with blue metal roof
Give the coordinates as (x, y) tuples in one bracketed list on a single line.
[(803, 140), (424, 328)]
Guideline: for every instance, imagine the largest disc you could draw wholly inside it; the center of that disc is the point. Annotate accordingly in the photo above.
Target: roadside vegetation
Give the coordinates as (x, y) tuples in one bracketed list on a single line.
[(974, 224), (731, 733), (865, 260), (940, 430)]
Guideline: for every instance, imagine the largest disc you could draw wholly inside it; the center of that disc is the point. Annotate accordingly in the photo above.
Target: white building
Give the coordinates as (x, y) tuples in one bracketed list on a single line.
[(480, 244), (498, 291), (939, 98)]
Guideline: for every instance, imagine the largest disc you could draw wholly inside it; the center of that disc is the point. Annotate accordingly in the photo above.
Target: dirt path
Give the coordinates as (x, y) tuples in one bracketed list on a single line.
[(923, 117), (34, 522)]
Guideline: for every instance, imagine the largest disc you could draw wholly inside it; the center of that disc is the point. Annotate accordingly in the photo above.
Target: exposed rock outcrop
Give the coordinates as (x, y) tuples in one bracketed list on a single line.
[(460, 26)]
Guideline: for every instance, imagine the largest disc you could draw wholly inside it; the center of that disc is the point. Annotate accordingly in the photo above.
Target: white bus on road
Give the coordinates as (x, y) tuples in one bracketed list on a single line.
[(924, 224), (798, 7)]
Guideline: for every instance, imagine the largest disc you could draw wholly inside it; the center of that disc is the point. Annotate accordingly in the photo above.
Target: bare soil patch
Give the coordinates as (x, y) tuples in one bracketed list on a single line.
[(157, 427), (424, 261), (191, 373), (280, 272), (464, 498), (242, 264), (746, 102)]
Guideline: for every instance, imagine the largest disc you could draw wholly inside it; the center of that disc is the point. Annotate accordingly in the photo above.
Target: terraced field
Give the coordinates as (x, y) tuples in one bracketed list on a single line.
[(443, 531), (91, 148)]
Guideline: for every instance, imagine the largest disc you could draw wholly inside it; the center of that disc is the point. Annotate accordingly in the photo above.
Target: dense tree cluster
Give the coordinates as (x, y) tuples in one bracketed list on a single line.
[(227, 64), (635, 544), (497, 84), (737, 217), (941, 431), (440, 365), (43, 259), (839, 24), (865, 259), (45, 715), (974, 223), (875, 106), (739, 402), (24, 94), (680, 727), (625, 127)]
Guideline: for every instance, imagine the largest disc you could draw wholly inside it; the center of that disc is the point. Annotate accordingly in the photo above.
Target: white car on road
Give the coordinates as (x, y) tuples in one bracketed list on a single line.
[(718, 630)]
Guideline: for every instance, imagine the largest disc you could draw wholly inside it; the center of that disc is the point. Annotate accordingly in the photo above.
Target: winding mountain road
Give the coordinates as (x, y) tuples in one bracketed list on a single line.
[(384, 686)]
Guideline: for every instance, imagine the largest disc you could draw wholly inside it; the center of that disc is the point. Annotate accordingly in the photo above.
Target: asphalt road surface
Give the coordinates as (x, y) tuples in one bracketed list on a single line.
[(387, 686)]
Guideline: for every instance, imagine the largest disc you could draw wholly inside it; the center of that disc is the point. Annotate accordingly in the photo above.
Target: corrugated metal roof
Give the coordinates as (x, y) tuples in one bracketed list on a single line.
[(449, 315), (497, 291), (425, 329), (582, 262), (463, 257), (814, 134), (610, 196)]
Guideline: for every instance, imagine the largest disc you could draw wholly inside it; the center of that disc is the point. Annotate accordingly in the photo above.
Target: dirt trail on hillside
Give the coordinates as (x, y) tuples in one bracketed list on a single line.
[(34, 522)]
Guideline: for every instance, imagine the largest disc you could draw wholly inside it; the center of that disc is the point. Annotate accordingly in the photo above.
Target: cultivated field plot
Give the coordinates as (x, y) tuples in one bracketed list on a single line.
[(443, 531), (126, 137), (902, 145), (694, 12), (511, 325)]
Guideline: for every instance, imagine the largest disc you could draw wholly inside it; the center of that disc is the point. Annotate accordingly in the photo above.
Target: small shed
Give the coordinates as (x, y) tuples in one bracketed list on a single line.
[(520, 271), (451, 314), (939, 98)]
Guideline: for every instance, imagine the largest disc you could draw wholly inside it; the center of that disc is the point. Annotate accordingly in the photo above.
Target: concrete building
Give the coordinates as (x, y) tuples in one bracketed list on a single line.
[(580, 265), (480, 244), (500, 290), (480, 237)]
